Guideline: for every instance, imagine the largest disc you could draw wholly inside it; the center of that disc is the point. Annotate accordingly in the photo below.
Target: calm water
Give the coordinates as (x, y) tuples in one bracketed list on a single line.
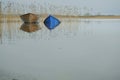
[(75, 50)]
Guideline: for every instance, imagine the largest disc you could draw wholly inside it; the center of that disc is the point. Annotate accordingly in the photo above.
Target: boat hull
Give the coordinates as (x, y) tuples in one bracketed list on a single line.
[(29, 18)]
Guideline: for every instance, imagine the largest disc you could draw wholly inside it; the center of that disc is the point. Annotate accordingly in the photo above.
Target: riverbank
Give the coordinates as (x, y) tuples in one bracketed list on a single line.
[(11, 18)]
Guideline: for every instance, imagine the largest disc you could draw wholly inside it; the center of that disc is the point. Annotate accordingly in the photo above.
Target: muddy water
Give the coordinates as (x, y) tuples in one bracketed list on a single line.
[(78, 49)]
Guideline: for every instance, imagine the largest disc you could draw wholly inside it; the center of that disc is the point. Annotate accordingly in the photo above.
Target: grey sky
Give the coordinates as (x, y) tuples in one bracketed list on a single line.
[(102, 6)]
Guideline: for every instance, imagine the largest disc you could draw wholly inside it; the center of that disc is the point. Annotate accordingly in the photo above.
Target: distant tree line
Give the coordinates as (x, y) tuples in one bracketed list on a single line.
[(46, 8)]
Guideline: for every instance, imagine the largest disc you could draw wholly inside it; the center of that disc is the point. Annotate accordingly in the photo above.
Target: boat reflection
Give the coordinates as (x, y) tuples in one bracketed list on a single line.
[(30, 27)]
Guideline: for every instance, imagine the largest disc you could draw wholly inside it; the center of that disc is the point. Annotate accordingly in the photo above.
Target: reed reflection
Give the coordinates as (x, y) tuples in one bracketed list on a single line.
[(69, 28), (30, 27)]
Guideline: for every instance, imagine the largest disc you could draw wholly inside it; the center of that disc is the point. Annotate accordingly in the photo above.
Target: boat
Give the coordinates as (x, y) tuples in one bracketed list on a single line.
[(30, 27), (29, 18)]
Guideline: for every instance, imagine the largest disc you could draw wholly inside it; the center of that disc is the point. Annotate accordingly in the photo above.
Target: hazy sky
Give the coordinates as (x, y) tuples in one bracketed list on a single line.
[(105, 6), (102, 6)]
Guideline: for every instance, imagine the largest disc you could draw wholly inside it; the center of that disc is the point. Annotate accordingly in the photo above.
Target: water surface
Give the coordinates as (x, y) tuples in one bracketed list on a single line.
[(78, 49)]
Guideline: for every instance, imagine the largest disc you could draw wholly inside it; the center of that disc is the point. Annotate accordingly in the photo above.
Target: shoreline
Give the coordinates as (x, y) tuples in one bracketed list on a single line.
[(65, 16), (11, 18), (68, 16)]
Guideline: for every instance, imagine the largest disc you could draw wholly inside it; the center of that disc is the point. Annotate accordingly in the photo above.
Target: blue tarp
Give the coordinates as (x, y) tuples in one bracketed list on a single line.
[(51, 22)]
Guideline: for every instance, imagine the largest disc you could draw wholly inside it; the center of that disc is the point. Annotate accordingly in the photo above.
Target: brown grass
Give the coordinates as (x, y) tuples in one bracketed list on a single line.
[(11, 18)]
